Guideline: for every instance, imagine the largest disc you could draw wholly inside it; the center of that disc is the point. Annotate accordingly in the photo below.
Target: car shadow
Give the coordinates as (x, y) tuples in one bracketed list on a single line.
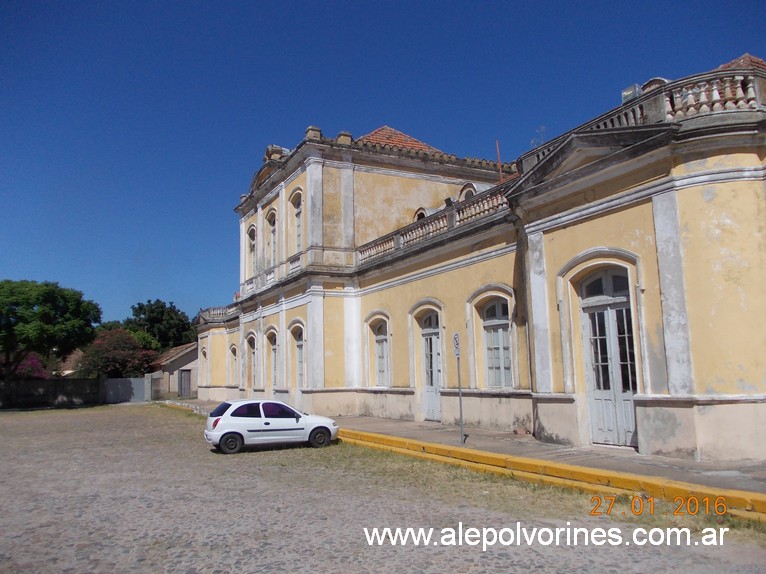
[(276, 446)]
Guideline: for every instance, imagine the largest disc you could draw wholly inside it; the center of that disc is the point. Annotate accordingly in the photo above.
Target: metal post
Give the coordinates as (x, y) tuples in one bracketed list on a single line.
[(456, 343), (460, 401)]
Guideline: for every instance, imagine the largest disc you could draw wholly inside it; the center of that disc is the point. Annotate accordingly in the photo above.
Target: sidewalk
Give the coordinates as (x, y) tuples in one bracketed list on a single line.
[(747, 476)]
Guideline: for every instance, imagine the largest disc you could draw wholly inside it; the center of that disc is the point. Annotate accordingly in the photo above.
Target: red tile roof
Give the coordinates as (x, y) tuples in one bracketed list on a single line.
[(745, 61), (385, 135)]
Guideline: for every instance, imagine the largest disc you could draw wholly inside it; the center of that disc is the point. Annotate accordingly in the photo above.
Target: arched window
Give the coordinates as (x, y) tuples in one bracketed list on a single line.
[(467, 192), (610, 355), (297, 206), (429, 380), (300, 367), (251, 361), (271, 338), (271, 220), (605, 301), (204, 373), (233, 366), (422, 213), (382, 373), (252, 249), (429, 328), (497, 343)]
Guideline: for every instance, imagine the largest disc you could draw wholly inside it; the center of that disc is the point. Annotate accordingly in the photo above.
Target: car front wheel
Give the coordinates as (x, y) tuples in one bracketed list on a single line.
[(319, 437), (230, 443)]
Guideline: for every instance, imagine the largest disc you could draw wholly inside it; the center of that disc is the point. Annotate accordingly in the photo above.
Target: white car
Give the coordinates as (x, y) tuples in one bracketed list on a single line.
[(234, 424)]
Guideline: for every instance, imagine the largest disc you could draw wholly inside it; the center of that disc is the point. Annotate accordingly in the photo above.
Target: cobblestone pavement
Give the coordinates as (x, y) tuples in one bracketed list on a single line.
[(136, 489)]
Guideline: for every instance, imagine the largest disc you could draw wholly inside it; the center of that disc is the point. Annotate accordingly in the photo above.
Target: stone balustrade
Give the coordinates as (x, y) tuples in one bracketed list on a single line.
[(463, 213), (217, 314), (377, 247), (713, 93), (719, 91), (479, 206), (425, 228)]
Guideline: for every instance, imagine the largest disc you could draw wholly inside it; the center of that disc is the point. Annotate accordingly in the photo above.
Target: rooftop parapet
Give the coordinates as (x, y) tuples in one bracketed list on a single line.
[(734, 87)]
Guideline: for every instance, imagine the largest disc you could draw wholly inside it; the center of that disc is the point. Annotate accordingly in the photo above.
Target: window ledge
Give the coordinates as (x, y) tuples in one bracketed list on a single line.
[(488, 393)]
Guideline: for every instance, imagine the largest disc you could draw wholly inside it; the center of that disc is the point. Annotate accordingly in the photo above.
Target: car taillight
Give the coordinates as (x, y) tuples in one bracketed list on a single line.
[(216, 421)]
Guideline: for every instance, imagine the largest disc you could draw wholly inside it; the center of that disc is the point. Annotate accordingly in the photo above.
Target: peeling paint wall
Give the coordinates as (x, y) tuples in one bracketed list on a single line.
[(667, 430), (724, 244), (384, 203)]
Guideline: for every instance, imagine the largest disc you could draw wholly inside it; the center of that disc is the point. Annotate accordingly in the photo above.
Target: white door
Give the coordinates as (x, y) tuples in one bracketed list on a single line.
[(280, 423), (432, 380), (610, 358)]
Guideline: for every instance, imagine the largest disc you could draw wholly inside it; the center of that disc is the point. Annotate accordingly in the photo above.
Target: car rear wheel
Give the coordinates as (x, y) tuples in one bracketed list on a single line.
[(319, 437), (230, 443)]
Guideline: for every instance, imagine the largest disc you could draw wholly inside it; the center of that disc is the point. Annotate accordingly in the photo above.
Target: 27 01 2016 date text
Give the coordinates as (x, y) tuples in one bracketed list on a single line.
[(604, 505)]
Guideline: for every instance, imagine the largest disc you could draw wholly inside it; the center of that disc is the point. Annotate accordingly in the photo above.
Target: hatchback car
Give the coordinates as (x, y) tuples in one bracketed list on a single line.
[(234, 424)]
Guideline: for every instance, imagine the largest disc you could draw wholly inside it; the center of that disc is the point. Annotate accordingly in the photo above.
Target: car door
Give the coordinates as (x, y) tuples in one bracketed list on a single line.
[(246, 419), (280, 424)]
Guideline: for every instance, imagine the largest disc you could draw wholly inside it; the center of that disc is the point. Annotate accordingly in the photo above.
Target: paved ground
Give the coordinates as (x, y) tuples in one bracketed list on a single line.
[(135, 489), (741, 475)]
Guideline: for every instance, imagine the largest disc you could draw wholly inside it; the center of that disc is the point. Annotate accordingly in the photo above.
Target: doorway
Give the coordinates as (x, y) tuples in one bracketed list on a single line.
[(610, 357)]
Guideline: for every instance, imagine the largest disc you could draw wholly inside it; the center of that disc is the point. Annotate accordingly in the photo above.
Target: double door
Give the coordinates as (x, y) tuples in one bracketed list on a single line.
[(613, 375)]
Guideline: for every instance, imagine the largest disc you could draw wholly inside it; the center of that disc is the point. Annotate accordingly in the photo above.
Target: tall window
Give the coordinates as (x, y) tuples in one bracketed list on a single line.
[(272, 339), (610, 355), (497, 343), (251, 244), (297, 228), (606, 302), (299, 358), (382, 378), (251, 362), (233, 371), (204, 375), (429, 325), (271, 219)]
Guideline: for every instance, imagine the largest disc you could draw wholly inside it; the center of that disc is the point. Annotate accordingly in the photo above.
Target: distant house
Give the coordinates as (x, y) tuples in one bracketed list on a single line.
[(70, 365), (175, 373)]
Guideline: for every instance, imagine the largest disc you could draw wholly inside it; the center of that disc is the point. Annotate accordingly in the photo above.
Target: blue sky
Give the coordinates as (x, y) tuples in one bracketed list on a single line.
[(129, 130)]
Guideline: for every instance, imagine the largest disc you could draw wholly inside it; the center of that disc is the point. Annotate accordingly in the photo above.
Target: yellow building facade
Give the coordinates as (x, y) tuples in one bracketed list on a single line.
[(604, 288)]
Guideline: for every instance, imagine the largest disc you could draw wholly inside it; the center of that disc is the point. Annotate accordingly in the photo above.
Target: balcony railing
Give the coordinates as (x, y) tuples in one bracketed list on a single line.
[(463, 213), (720, 91), (712, 93), (218, 314)]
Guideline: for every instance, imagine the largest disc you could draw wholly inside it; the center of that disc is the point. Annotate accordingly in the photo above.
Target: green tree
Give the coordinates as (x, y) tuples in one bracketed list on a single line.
[(165, 322), (148, 342), (116, 353), (42, 318)]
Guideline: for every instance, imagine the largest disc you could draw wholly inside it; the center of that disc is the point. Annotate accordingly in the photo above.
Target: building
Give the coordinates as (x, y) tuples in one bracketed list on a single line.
[(609, 290), (175, 373)]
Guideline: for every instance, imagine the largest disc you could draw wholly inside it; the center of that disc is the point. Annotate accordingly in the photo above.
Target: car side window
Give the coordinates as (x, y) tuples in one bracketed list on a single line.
[(220, 409), (250, 410), (277, 411)]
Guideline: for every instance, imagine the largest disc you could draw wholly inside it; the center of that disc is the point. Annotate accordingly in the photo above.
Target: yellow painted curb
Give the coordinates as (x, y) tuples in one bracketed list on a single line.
[(739, 503)]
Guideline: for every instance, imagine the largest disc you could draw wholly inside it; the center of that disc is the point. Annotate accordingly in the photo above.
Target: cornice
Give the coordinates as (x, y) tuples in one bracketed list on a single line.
[(645, 192)]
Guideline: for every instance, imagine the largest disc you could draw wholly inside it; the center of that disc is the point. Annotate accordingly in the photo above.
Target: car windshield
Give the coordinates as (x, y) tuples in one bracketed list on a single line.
[(220, 409)]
